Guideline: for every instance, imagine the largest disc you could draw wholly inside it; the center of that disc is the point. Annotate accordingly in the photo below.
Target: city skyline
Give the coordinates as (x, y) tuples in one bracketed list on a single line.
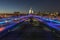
[(10, 6)]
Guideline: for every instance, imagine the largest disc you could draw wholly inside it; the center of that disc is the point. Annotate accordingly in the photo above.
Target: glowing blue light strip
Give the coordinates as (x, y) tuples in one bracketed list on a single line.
[(52, 20), (10, 26), (54, 26), (39, 18), (58, 22), (2, 22), (49, 23)]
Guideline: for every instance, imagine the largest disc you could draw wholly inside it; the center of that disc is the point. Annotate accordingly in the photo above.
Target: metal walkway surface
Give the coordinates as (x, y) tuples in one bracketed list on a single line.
[(28, 33)]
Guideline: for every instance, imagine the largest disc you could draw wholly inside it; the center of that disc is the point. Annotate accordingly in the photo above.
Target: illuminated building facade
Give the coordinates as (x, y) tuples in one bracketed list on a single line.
[(31, 11)]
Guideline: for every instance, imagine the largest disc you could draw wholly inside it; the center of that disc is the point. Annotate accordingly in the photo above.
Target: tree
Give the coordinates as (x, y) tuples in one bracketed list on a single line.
[(17, 13)]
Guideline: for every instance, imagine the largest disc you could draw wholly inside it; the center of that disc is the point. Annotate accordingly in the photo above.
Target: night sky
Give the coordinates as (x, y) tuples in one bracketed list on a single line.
[(10, 6)]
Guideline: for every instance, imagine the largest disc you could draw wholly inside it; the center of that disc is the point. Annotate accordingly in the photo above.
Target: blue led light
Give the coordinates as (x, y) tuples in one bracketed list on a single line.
[(2, 22), (45, 20), (55, 26), (12, 24)]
